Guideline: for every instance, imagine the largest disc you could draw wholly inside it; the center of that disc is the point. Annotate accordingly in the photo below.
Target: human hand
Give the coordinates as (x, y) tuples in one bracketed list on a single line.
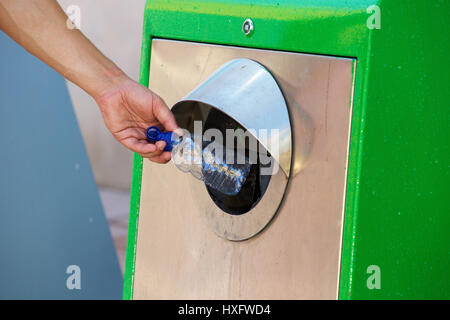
[(128, 109)]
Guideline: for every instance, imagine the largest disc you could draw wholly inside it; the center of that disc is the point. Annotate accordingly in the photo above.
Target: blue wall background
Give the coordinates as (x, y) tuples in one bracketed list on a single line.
[(50, 211)]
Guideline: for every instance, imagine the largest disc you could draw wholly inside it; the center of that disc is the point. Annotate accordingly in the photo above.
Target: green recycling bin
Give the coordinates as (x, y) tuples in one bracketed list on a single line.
[(358, 208)]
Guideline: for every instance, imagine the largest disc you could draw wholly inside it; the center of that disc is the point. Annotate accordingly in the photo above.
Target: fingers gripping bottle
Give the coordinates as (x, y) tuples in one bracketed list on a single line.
[(205, 161)]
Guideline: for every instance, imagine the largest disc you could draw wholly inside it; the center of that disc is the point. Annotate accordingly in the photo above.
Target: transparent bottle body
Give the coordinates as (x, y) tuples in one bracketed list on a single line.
[(220, 168)]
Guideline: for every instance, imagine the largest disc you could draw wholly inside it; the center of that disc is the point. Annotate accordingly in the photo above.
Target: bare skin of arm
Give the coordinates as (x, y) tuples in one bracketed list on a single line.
[(127, 107)]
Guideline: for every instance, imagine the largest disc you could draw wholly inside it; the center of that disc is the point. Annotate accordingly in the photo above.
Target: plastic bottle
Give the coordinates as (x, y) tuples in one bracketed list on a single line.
[(205, 161)]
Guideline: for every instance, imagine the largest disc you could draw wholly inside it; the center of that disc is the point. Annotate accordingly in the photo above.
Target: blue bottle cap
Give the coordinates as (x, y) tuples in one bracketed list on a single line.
[(154, 134)]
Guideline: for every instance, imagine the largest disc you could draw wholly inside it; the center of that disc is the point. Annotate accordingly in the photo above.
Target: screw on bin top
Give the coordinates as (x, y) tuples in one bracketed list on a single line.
[(247, 26)]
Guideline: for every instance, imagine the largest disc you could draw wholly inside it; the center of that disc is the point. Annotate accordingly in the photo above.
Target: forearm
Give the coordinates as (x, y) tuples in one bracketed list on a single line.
[(127, 107), (40, 27)]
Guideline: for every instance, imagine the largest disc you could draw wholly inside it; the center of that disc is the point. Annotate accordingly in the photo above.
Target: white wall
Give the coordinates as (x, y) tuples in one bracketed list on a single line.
[(115, 27)]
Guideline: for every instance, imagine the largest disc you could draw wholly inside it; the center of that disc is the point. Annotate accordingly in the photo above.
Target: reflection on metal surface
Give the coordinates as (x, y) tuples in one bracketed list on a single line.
[(179, 256)]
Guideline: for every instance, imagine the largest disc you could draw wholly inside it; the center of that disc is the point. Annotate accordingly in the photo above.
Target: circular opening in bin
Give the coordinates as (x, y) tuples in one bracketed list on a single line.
[(256, 183), (242, 92)]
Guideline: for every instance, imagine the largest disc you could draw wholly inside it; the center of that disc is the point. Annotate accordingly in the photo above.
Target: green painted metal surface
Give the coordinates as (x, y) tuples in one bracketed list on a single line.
[(397, 207)]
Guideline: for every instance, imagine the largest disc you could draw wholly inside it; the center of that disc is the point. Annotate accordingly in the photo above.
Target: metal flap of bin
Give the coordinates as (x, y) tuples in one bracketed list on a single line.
[(246, 91)]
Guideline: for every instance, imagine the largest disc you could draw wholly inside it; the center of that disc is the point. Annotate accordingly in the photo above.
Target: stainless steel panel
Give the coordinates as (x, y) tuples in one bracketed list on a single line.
[(298, 256)]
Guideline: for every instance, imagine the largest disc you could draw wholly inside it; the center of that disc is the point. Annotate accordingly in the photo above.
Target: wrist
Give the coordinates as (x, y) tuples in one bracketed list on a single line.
[(110, 81)]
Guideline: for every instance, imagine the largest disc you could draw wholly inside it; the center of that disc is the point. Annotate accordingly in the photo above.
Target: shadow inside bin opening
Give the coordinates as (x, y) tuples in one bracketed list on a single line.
[(255, 185)]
